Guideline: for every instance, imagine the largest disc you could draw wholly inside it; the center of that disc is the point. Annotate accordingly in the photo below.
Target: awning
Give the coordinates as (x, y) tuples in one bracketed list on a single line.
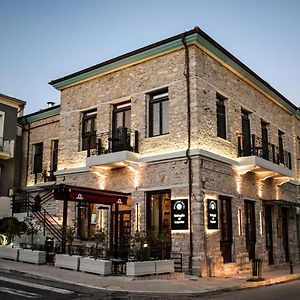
[(83, 194)]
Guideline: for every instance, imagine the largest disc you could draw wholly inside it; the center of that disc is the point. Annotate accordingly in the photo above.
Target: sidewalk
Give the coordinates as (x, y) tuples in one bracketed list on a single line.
[(189, 286)]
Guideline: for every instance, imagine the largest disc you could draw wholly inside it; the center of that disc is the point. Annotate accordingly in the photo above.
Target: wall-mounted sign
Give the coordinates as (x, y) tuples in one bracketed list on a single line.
[(179, 214), (212, 214)]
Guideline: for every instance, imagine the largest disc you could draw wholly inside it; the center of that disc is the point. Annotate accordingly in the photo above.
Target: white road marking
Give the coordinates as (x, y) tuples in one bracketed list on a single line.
[(35, 285), (19, 292)]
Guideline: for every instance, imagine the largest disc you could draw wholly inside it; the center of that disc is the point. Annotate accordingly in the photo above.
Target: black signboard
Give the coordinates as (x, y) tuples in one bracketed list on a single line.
[(212, 214), (179, 214)]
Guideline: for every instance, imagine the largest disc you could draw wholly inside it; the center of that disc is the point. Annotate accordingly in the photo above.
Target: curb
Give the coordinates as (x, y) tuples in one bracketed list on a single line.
[(214, 291)]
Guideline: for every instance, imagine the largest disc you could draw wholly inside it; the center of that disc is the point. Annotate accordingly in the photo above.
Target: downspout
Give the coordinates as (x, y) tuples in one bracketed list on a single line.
[(27, 154), (188, 156)]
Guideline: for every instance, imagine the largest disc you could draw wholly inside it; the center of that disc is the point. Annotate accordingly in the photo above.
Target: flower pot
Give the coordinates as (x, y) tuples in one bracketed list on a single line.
[(9, 252), (140, 268), (97, 266), (35, 257), (164, 266), (67, 261)]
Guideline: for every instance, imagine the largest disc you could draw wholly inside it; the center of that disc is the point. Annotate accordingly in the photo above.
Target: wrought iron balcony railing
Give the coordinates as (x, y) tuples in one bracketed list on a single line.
[(265, 150), (113, 141)]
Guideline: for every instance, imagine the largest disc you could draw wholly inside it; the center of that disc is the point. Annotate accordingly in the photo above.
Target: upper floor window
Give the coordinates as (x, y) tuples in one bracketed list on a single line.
[(89, 129), (221, 117), (37, 158), (54, 155), (280, 146), (122, 115), (159, 113)]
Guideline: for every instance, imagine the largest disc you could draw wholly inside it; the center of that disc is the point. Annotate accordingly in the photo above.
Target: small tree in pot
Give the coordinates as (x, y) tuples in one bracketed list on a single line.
[(100, 239), (70, 236), (33, 227), (140, 243)]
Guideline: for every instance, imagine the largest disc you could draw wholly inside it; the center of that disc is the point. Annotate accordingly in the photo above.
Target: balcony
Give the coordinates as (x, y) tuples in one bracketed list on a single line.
[(264, 159), (113, 149), (6, 148)]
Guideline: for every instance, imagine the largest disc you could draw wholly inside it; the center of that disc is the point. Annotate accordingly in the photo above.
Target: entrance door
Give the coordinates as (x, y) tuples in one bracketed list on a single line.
[(226, 229), (120, 139), (250, 228), (121, 232), (246, 134), (159, 223), (285, 233), (87, 217), (269, 232)]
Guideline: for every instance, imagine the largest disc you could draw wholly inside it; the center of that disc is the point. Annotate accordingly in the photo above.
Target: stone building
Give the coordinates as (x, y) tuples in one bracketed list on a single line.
[(177, 139), (10, 136)]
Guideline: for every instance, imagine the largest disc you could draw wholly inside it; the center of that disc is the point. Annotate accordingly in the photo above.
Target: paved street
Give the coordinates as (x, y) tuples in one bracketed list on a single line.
[(283, 291), (20, 286)]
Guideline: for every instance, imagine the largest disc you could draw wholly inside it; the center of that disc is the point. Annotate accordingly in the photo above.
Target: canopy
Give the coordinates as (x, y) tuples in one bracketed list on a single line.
[(77, 193)]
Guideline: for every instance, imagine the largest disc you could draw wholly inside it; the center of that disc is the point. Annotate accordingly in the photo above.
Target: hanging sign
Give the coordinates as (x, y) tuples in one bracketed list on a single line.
[(179, 214), (212, 214)]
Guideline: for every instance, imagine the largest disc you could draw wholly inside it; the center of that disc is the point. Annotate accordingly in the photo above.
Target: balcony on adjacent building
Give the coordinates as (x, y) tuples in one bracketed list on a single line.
[(6, 148), (264, 158), (113, 149)]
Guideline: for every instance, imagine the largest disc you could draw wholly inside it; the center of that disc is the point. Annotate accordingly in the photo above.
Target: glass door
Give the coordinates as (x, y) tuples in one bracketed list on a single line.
[(226, 229), (269, 232), (250, 227), (158, 222)]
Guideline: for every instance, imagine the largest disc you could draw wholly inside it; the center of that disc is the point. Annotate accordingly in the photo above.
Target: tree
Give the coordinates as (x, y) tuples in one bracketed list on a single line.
[(10, 227), (33, 227), (100, 238), (70, 236)]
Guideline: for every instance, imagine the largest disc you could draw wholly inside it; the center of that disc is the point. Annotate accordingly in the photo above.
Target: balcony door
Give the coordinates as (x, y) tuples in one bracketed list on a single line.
[(120, 137), (246, 134), (250, 227), (265, 140)]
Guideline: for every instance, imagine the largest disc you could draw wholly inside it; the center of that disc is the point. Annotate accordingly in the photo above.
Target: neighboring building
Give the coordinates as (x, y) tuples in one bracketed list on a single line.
[(10, 136), (192, 143)]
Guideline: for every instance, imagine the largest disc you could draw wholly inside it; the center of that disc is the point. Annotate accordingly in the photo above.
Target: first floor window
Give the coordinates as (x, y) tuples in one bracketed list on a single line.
[(221, 117), (89, 129), (38, 158), (159, 113)]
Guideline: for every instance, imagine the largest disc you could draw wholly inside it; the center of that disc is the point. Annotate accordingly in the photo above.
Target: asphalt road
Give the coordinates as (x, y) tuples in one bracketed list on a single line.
[(284, 291), (15, 286), (19, 286)]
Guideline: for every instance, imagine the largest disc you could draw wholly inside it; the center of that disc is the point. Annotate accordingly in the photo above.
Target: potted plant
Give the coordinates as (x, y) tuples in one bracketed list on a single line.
[(32, 255), (93, 264), (142, 266), (68, 261), (9, 228)]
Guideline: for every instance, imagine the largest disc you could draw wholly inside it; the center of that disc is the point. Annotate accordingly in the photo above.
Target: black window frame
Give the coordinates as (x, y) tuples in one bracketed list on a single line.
[(37, 163), (221, 116), (158, 97), (88, 138)]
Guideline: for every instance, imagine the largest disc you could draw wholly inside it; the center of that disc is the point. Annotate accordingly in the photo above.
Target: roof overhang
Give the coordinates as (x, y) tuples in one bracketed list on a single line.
[(83, 194)]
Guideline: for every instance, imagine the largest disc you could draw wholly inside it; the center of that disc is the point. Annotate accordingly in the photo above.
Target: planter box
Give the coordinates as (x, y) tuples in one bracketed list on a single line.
[(67, 262), (97, 266), (9, 252), (35, 257), (140, 268), (164, 266)]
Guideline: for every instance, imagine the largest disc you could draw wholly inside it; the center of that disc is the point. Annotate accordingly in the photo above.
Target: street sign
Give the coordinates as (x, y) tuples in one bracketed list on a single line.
[(212, 214), (179, 214)]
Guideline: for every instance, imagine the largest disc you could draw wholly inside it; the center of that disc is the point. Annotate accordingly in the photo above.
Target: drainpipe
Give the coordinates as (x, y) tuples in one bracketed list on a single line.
[(188, 156)]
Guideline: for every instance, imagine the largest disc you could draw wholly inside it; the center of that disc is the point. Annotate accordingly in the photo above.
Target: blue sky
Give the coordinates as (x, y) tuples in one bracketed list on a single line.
[(44, 40)]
